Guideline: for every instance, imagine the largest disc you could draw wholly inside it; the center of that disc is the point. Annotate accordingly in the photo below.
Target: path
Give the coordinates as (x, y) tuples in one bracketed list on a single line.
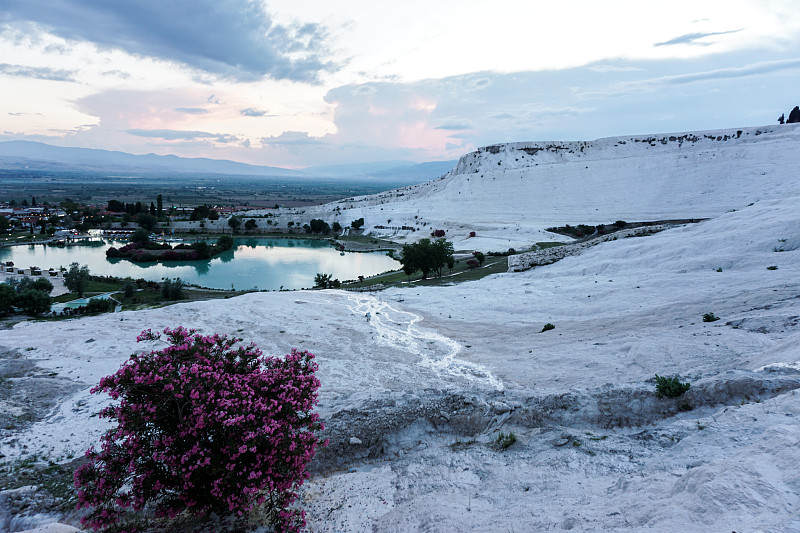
[(399, 329)]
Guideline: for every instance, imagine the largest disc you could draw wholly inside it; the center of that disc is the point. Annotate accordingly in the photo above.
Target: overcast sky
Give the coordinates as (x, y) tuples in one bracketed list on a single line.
[(296, 83)]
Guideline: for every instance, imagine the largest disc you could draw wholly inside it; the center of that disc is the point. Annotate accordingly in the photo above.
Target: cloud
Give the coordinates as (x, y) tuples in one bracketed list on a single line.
[(453, 127), (753, 69), (605, 68), (235, 39), (692, 38), (181, 135), (118, 74), (252, 112), (192, 110), (22, 114), (38, 73), (291, 138)]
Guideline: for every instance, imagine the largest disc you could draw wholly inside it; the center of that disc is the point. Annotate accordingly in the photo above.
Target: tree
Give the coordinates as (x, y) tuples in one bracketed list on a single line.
[(129, 288), (794, 116), (200, 212), (172, 289), (358, 223), (153, 209), (4, 223), (250, 225), (319, 226), (337, 228), (7, 296), (39, 284), (159, 206), (32, 302), (322, 281), (203, 249), (77, 278), (203, 426), (140, 236), (427, 256), (115, 206), (225, 242), (235, 223), (479, 256), (146, 221)]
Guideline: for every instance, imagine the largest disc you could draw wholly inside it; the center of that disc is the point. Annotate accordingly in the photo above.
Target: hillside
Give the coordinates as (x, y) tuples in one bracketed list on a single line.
[(419, 382), (509, 193)]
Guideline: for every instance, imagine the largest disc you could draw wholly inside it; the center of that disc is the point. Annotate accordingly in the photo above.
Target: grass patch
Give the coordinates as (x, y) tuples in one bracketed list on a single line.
[(545, 245), (670, 387), (505, 440), (461, 272), (461, 444)]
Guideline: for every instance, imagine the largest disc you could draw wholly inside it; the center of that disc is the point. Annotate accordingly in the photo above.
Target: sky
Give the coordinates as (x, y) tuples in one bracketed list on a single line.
[(299, 83)]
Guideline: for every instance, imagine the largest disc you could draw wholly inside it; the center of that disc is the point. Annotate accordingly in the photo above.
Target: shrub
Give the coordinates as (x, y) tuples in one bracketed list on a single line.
[(100, 305), (547, 327), (206, 428), (358, 223), (472, 233), (172, 289), (505, 440), (439, 233), (772, 267), (710, 317), (670, 387), (479, 256)]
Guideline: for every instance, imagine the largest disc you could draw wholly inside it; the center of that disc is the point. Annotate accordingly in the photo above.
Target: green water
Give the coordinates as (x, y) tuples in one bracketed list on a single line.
[(253, 263)]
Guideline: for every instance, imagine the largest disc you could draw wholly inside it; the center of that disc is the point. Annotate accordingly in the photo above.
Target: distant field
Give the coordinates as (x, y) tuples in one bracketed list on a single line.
[(181, 189)]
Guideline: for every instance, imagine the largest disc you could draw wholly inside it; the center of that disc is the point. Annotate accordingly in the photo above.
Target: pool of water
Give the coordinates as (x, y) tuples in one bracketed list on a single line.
[(253, 263)]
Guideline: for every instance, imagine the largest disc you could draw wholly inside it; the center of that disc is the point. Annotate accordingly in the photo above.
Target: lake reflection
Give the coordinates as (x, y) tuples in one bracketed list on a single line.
[(260, 263)]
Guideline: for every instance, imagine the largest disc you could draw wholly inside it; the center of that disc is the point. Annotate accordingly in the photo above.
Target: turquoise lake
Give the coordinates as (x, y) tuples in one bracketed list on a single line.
[(254, 263)]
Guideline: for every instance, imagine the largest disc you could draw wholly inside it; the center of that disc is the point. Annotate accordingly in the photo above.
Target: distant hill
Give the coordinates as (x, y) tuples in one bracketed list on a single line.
[(39, 156)]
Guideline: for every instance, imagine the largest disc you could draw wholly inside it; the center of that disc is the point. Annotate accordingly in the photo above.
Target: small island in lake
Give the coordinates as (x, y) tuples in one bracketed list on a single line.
[(142, 249)]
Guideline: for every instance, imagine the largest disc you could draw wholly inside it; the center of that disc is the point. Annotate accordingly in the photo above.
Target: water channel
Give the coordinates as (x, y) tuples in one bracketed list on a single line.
[(254, 263)]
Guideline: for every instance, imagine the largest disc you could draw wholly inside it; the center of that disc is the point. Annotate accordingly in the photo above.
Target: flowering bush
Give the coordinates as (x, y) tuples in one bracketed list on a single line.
[(206, 428)]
